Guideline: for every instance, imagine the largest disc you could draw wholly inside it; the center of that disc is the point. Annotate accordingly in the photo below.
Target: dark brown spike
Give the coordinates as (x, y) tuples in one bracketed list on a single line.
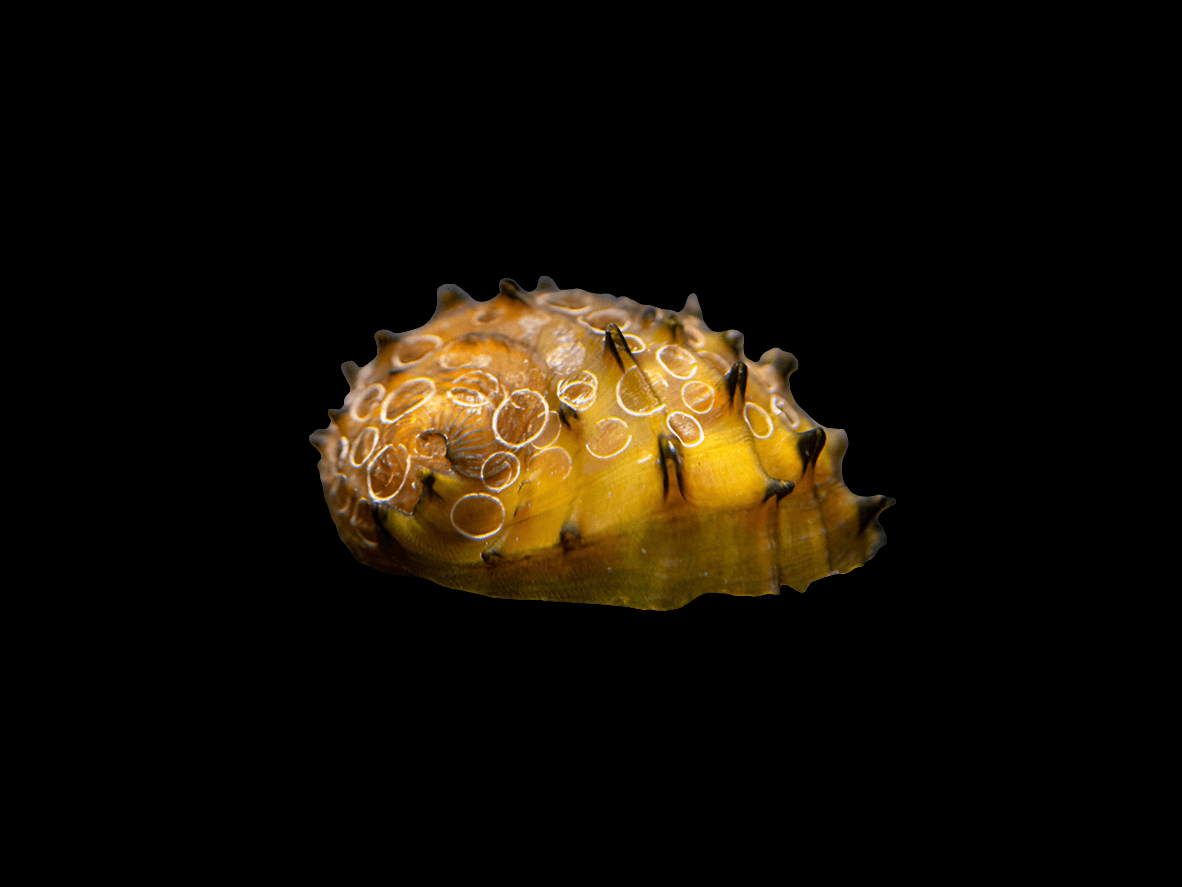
[(735, 340), (546, 285), (648, 315), (615, 345), (609, 348), (692, 306), (564, 411), (510, 289), (428, 479), (337, 415), (450, 296), (779, 489), (869, 508), (319, 439), (350, 369), (736, 379), (568, 536), (673, 322), (492, 558), (384, 338), (809, 446), (667, 449)]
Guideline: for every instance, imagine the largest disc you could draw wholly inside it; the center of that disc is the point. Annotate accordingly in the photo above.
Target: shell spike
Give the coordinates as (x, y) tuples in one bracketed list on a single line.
[(449, 296), (736, 379), (674, 325), (809, 446), (615, 345), (546, 285), (337, 415), (569, 537), (735, 339), (382, 338), (510, 289), (350, 369), (667, 449), (692, 306), (779, 489), (869, 508), (784, 363)]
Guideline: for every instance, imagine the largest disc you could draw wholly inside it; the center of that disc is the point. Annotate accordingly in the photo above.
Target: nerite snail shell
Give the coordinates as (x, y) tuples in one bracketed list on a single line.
[(564, 445)]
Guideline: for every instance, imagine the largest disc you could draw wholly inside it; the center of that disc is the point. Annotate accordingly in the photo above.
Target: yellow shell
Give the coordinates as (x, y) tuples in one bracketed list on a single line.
[(565, 445)]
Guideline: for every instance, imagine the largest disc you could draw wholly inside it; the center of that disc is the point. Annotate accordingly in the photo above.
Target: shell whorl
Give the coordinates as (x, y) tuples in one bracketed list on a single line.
[(562, 444)]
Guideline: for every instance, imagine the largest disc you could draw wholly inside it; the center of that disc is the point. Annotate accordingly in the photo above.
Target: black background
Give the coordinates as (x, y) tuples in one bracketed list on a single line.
[(840, 262), (838, 325)]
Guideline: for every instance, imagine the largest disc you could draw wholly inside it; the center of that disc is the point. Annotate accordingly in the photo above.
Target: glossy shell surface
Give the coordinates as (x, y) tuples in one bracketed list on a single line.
[(565, 445)]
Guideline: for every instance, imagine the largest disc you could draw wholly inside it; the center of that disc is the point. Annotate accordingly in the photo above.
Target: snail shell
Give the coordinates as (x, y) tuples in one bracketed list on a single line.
[(565, 445)]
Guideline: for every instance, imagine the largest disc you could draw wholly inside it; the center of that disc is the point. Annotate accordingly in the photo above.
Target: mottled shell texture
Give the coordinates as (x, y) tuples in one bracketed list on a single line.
[(564, 445)]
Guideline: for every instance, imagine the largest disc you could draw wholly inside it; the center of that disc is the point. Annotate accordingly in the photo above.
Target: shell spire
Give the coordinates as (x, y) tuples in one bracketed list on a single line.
[(563, 444)]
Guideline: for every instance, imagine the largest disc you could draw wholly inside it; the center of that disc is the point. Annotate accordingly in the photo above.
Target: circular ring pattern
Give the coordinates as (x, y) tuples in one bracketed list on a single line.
[(370, 398), (406, 398), (762, 419), (365, 444), (686, 427), (698, 396), (504, 470), (478, 512), (522, 422)]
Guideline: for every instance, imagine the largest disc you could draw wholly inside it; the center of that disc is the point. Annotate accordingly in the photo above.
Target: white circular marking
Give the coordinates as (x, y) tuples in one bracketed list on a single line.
[(601, 428), (586, 395), (364, 446), (675, 353), (762, 413), (468, 398), (781, 408), (681, 420), (542, 458), (376, 461), (413, 344), (660, 406), (695, 394), (474, 390), (512, 476), (509, 400), (369, 399), (470, 496), (406, 398)]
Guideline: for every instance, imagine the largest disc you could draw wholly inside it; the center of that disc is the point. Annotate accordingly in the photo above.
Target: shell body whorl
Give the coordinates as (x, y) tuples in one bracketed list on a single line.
[(564, 445)]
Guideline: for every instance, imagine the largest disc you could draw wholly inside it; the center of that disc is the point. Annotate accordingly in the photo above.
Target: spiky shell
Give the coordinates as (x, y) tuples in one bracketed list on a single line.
[(565, 445)]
